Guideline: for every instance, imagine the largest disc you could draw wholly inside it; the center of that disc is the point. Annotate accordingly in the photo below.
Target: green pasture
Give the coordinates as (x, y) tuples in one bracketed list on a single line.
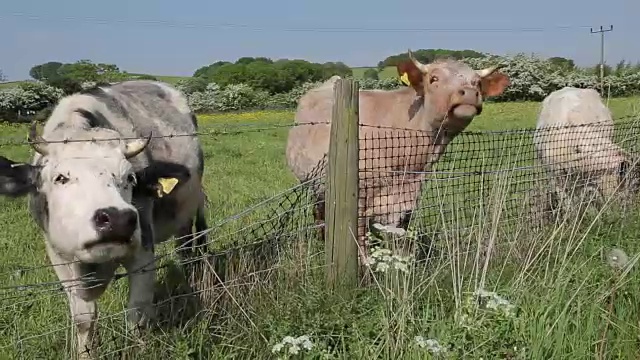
[(568, 302), (387, 72)]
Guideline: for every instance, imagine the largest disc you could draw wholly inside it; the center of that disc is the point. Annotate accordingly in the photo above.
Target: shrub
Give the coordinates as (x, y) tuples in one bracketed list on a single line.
[(371, 74), (532, 79)]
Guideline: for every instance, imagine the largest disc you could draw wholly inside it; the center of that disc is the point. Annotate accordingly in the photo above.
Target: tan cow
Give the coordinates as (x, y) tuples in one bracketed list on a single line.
[(403, 133)]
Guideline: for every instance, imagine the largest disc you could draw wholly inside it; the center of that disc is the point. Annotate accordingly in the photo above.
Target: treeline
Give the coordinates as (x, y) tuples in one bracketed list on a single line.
[(259, 83), (70, 76), (429, 55), (262, 73)]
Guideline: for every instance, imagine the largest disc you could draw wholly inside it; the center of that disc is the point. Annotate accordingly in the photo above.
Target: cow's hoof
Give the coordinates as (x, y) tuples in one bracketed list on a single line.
[(141, 318), (87, 354)]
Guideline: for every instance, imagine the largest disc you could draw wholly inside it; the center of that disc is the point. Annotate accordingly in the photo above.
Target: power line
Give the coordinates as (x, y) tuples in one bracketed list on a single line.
[(178, 24)]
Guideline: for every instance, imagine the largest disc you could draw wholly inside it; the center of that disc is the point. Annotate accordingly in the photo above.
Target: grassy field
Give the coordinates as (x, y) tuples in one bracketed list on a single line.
[(557, 290), (387, 72)]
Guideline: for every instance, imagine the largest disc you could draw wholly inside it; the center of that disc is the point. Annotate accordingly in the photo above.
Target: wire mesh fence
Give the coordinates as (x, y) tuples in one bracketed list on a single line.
[(528, 177)]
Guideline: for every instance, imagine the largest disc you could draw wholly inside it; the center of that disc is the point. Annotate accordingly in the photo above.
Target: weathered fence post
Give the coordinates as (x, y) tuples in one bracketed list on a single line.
[(341, 198)]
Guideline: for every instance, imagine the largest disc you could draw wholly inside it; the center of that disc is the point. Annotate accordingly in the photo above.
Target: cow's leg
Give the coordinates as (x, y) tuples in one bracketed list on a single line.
[(141, 269), (189, 242), (145, 214), (201, 228), (185, 240), (82, 297)]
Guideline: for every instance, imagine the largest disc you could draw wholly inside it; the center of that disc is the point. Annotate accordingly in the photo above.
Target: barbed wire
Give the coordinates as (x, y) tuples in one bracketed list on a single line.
[(268, 250), (249, 128)]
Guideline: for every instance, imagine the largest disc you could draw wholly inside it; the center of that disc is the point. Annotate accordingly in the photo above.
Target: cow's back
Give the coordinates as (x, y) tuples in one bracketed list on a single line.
[(573, 122), (156, 107), (383, 114)]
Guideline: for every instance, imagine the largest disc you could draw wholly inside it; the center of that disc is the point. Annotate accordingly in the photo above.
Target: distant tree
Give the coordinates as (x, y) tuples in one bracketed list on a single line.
[(67, 85), (607, 70), (146, 77), (429, 55), (371, 74), (2, 77), (248, 60), (336, 68), (271, 76), (206, 71), (191, 85), (46, 71), (562, 63), (87, 71)]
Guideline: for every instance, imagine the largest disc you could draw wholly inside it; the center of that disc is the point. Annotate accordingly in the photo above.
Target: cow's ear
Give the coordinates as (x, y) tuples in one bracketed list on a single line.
[(494, 84), (17, 179), (410, 75), (160, 178)]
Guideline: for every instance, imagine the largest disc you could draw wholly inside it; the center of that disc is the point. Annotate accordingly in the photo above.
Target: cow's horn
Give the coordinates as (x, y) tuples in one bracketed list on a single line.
[(488, 71), (422, 67), (36, 141), (135, 147)]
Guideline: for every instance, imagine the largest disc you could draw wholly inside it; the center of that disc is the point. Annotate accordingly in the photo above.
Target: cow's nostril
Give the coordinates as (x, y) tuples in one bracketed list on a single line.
[(101, 219), (461, 92)]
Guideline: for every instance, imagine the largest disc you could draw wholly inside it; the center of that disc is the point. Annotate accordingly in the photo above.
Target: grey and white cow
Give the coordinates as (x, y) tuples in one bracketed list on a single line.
[(101, 204)]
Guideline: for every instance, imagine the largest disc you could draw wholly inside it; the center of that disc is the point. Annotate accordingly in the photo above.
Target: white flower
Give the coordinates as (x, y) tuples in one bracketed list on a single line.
[(295, 344), (277, 347), (294, 349), (432, 345)]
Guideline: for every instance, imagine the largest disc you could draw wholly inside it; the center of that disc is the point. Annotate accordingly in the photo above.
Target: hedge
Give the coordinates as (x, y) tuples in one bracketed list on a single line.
[(532, 79)]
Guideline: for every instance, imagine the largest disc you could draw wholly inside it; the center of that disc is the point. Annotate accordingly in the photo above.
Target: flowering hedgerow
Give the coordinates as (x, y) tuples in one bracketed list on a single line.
[(532, 78)]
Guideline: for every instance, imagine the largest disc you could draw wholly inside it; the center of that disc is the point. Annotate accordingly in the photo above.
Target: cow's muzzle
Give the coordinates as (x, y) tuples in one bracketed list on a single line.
[(466, 103), (114, 226)]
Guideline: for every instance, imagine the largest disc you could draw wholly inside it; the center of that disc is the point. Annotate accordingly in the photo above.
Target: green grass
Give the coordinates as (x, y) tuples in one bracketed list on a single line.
[(556, 279), (10, 84), (387, 72)]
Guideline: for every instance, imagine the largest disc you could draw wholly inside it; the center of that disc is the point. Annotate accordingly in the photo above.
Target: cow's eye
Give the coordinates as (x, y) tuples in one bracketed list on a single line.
[(131, 179), (61, 179), (433, 79)]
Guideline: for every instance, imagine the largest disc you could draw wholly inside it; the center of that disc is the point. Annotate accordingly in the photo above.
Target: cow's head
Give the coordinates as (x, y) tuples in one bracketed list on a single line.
[(85, 188), (453, 89)]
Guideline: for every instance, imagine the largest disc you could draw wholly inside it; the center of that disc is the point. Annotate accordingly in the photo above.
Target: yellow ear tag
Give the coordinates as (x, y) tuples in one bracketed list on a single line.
[(405, 79), (166, 185)]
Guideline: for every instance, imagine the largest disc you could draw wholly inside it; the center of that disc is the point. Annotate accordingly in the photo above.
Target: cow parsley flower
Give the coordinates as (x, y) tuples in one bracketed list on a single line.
[(382, 259), (495, 301), (431, 345), (295, 345)]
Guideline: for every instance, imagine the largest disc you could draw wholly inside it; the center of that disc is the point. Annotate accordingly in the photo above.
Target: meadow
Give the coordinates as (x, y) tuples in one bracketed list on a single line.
[(549, 294)]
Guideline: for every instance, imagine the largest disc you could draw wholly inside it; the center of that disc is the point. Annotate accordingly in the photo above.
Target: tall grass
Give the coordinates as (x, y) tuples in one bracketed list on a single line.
[(495, 284)]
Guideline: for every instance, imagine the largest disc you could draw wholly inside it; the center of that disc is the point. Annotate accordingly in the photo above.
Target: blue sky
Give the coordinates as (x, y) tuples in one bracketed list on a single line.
[(183, 37)]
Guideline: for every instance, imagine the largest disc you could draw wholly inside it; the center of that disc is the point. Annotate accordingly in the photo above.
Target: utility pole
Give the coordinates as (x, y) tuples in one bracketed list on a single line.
[(602, 31)]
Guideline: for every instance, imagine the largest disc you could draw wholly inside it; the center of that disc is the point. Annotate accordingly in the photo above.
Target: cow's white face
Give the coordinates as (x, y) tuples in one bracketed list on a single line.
[(88, 188)]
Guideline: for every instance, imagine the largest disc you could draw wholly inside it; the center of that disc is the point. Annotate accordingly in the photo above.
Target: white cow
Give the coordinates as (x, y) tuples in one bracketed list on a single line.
[(101, 204), (574, 143)]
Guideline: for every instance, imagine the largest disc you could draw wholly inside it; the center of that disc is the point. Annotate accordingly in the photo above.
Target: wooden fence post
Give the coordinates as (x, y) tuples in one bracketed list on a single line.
[(341, 197)]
